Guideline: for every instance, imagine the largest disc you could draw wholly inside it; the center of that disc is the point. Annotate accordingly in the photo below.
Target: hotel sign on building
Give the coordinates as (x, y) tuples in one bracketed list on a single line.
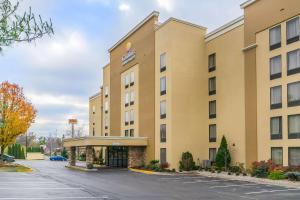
[(129, 56)]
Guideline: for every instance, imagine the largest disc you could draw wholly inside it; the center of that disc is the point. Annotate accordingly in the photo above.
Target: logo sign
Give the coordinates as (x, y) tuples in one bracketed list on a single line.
[(129, 56), (72, 121)]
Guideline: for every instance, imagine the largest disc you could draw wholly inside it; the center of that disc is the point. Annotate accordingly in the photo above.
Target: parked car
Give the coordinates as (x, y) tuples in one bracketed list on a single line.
[(58, 158), (7, 158)]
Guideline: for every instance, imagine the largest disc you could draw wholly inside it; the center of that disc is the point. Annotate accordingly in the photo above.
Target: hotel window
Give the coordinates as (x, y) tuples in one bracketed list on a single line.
[(294, 126), (106, 91), (126, 118), (212, 133), (292, 30), (163, 155), (106, 106), (163, 62), (212, 85), (212, 109), (163, 136), (275, 97), (126, 133), (293, 94), (106, 134), (94, 110), (126, 80), (93, 131), (276, 128), (163, 88), (131, 78), (275, 67), (131, 97), (126, 99), (275, 37), (105, 123), (132, 117), (294, 156), (163, 108), (131, 132), (277, 155), (293, 62), (212, 154), (212, 62)]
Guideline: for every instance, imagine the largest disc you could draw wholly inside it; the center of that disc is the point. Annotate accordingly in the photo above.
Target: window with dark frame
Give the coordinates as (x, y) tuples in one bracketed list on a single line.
[(163, 86), (163, 135), (293, 62), (294, 126), (277, 155), (212, 86), (126, 118), (126, 99), (131, 117), (275, 37), (212, 154), (131, 132), (212, 109), (276, 128), (163, 62), (93, 131), (132, 98), (163, 108), (212, 133), (293, 94), (163, 155), (275, 97), (275, 67), (212, 62), (292, 30), (294, 156), (131, 78), (126, 133)]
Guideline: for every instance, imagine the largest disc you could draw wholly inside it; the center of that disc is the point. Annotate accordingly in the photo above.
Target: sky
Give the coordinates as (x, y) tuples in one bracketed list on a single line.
[(59, 73)]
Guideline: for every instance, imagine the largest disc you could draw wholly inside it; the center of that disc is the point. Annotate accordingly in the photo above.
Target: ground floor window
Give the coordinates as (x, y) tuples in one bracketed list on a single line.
[(277, 155), (163, 155), (212, 154), (294, 156)]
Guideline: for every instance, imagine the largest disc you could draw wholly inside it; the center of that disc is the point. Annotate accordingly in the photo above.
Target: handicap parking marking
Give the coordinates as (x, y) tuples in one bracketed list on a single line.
[(272, 191), (227, 186)]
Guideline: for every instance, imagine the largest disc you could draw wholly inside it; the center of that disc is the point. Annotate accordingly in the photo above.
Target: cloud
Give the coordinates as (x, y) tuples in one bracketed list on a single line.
[(124, 7), (165, 4)]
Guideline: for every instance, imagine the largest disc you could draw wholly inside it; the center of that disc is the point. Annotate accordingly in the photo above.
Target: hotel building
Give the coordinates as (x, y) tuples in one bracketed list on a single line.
[(172, 87)]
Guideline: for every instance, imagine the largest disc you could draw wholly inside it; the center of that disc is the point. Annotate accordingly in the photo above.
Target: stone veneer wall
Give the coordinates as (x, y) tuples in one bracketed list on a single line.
[(136, 156), (72, 160)]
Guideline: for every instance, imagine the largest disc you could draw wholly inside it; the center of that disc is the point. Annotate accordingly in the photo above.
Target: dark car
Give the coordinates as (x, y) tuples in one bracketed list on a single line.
[(7, 158), (58, 158)]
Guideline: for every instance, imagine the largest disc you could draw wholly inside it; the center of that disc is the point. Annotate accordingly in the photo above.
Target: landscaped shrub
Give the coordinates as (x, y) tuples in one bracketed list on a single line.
[(33, 149), (223, 157), (262, 169), (82, 157), (276, 175), (187, 162), (235, 169), (292, 176), (17, 151), (64, 153)]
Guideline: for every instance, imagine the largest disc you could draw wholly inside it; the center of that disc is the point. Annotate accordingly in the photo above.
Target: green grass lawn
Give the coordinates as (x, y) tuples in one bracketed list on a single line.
[(14, 168)]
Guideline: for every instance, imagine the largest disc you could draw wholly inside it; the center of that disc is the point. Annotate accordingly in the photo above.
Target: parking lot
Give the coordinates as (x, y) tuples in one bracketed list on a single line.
[(51, 180)]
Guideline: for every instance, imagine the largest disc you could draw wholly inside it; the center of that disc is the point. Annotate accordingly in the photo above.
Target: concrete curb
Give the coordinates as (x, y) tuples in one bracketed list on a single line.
[(81, 168), (284, 183)]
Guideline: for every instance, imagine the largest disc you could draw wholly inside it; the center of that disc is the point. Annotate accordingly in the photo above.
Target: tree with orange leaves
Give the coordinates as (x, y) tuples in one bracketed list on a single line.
[(16, 114)]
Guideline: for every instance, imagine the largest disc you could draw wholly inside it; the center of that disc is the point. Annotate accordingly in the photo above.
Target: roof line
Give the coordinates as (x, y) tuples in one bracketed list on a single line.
[(154, 13), (247, 3), (95, 95), (180, 21), (225, 28)]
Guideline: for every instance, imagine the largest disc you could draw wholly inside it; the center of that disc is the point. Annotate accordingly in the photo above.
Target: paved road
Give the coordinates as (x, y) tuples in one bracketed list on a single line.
[(52, 180)]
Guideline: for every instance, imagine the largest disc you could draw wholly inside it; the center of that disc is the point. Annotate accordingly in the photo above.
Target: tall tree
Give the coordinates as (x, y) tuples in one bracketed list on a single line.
[(17, 114), (20, 28)]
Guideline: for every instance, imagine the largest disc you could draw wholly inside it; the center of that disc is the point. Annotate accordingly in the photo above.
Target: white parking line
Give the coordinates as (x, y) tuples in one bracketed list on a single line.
[(225, 186), (35, 188), (201, 181), (179, 178), (29, 182), (36, 198), (270, 191)]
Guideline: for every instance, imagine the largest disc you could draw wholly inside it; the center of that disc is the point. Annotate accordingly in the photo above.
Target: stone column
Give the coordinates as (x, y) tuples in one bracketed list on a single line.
[(136, 156), (89, 157), (72, 160)]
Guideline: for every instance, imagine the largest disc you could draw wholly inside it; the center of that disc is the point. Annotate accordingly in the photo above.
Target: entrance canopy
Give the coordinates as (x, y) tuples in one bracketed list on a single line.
[(106, 141)]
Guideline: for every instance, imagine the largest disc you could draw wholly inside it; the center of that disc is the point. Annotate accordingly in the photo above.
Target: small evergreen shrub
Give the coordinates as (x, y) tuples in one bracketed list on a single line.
[(262, 169), (292, 176), (223, 157), (276, 175), (187, 162)]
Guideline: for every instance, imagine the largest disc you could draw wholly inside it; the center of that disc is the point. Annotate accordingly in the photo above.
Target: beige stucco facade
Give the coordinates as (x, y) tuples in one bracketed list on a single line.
[(95, 115), (241, 79)]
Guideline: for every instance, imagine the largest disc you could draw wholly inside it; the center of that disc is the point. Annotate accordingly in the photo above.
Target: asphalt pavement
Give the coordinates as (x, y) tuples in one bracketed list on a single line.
[(51, 180)]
